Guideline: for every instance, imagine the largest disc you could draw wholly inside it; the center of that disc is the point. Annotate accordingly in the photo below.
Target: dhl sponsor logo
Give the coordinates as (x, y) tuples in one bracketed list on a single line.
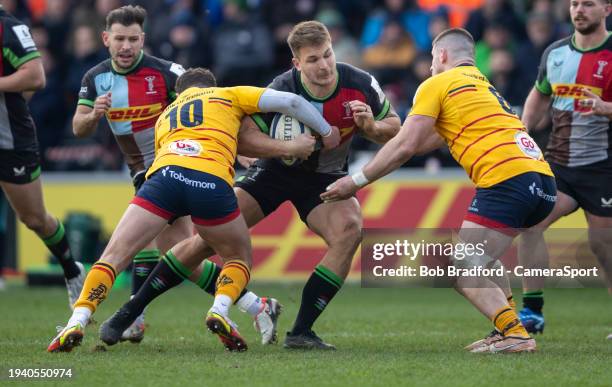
[(573, 90), (135, 113)]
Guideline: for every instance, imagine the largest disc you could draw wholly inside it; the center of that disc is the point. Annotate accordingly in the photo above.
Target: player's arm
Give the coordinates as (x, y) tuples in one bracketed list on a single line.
[(294, 105), (30, 76), (538, 99), (85, 120), (378, 131), (535, 104), (430, 144), (253, 143), (414, 136)]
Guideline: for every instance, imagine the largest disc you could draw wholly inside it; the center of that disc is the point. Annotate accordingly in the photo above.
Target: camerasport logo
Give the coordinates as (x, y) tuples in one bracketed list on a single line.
[(528, 145), (185, 147)]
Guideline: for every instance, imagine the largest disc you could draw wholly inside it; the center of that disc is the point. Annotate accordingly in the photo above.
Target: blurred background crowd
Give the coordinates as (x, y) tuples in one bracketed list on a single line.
[(244, 42)]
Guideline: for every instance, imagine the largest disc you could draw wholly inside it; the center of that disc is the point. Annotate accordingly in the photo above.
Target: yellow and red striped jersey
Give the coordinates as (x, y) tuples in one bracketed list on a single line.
[(482, 131), (199, 130)]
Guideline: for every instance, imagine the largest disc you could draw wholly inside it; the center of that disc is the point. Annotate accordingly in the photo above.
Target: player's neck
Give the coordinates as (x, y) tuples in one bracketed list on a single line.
[(318, 91), (587, 42)]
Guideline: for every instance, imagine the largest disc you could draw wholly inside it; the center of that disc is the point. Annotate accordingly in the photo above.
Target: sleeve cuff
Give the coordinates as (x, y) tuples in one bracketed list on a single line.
[(86, 102)]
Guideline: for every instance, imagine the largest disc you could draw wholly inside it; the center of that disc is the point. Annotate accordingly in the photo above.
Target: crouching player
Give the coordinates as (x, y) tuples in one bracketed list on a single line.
[(192, 174), (515, 186)]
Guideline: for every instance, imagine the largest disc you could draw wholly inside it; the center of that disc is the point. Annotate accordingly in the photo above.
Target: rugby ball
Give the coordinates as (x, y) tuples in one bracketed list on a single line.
[(286, 128)]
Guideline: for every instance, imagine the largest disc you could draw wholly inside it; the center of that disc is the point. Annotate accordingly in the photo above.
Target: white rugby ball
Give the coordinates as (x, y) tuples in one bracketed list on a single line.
[(286, 128)]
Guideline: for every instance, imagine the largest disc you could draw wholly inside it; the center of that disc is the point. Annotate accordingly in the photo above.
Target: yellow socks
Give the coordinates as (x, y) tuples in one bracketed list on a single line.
[(507, 322), (97, 285), (233, 279)]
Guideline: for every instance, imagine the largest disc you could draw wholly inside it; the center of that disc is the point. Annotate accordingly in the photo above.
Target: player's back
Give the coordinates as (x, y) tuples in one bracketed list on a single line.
[(482, 131), (199, 130)]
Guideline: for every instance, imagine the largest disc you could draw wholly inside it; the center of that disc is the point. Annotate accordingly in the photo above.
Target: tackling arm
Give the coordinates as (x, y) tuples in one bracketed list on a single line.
[(535, 104)]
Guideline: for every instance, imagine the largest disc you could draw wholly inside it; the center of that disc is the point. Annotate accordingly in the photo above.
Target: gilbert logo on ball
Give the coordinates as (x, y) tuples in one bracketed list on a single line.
[(287, 128)]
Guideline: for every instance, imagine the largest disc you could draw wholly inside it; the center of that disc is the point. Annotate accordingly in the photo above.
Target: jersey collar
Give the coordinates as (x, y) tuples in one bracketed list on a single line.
[(126, 71), (312, 97), (575, 46)]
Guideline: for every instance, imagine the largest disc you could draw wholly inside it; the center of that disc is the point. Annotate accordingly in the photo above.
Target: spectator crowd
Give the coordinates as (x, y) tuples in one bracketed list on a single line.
[(244, 42)]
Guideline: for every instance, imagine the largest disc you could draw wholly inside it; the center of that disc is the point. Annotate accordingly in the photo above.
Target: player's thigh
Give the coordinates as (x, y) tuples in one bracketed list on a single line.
[(135, 230), (180, 229), (230, 240), (494, 241), (263, 188), (564, 205), (249, 207), (337, 222)]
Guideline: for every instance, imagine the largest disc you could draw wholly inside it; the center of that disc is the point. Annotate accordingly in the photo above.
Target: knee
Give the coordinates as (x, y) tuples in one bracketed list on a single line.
[(346, 235), (600, 244)]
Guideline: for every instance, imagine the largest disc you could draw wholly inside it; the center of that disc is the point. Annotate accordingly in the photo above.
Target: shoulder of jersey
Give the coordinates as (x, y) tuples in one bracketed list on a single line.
[(102, 67), (350, 73)]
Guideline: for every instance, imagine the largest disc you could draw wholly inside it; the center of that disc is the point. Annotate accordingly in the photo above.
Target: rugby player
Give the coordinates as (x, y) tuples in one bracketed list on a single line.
[(22, 72), (131, 89), (487, 139), (192, 174), (348, 98), (580, 143)]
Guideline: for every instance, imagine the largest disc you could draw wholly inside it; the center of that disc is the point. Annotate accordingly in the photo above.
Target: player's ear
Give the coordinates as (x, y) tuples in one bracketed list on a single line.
[(106, 38), (296, 63)]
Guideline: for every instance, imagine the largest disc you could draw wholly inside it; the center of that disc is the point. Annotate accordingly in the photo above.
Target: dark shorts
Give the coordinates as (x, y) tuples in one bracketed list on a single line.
[(589, 185), (19, 167), (271, 184), (172, 192), (519, 202), (138, 179)]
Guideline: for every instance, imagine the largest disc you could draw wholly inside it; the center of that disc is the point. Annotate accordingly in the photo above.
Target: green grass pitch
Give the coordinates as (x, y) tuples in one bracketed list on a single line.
[(384, 337)]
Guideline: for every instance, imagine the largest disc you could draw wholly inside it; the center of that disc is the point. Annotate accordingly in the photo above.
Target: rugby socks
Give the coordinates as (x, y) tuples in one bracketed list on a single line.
[(57, 243), (168, 273), (319, 290), (97, 284), (507, 322), (234, 277), (511, 302), (144, 263), (534, 300), (248, 301), (208, 278)]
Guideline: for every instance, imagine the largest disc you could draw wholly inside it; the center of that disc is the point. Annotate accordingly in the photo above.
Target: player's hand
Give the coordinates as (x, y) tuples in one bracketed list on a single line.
[(362, 115), (339, 190), (302, 146), (101, 105), (246, 162), (332, 140), (594, 104)]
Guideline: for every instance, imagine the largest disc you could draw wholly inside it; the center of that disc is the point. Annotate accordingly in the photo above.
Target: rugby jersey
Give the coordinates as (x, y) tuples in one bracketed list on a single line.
[(139, 95), (565, 69), (352, 84), (200, 129), (17, 129), (482, 131)]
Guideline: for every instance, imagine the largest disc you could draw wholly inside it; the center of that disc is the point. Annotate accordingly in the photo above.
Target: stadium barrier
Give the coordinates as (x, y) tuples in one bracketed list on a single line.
[(283, 248)]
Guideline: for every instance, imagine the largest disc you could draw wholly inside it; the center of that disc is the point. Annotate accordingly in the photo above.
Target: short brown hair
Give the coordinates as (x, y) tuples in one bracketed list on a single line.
[(454, 31), (195, 77), (306, 34), (126, 16)]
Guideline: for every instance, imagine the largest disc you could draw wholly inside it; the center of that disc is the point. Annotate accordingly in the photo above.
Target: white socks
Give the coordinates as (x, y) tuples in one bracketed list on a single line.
[(222, 304), (80, 315), (250, 303)]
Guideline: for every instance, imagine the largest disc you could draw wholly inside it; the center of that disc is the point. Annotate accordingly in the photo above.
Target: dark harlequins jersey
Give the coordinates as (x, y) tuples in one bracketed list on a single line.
[(17, 130), (139, 95), (353, 84), (576, 140)]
